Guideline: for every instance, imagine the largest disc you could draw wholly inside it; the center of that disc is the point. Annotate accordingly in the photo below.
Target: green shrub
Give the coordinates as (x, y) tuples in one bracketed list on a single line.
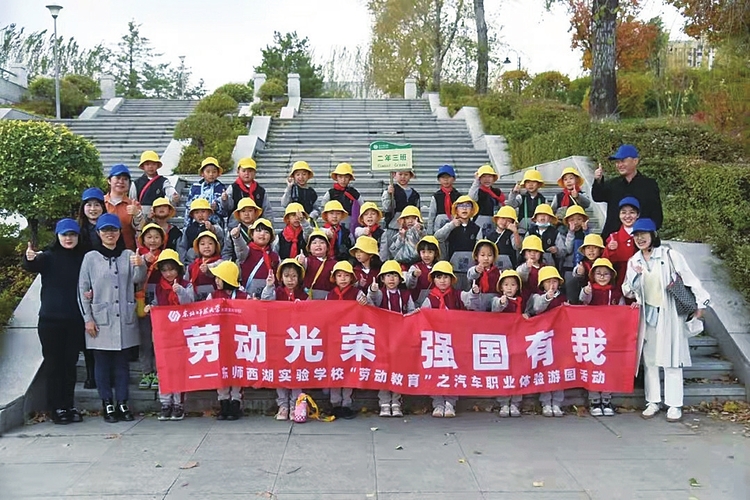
[(273, 88), (190, 161), (41, 97), (269, 108), (454, 91), (237, 91), (549, 85), (217, 104), (635, 95), (577, 89), (88, 86)]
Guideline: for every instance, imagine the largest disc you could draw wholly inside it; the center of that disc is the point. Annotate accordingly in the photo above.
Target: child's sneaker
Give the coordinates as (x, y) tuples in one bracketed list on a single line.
[(283, 413), (396, 410), (178, 412), (438, 411), (608, 409), (595, 408), (145, 382), (556, 411), (546, 410), (514, 411), (154, 382), (504, 411), (385, 410), (449, 411), (166, 412)]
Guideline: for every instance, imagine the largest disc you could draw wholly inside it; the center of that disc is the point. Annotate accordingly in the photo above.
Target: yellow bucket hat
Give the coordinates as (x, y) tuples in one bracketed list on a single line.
[(149, 156), (330, 207), (342, 266), (506, 212), (532, 175), (486, 170), (211, 161), (247, 202), (247, 163), (163, 202), (549, 272), (200, 204), (293, 208), (149, 226), (391, 266), (570, 170), (290, 262), (532, 242), (210, 235), (411, 211), (228, 272), (443, 267), (543, 208), (367, 244), (169, 254), (430, 239), (483, 242), (368, 205), (316, 233), (265, 223), (591, 240), (343, 169), (509, 273), (574, 210), (602, 262), (465, 199), (301, 165)]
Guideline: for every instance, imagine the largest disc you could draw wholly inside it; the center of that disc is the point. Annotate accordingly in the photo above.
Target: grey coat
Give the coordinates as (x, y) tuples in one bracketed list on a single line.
[(112, 307)]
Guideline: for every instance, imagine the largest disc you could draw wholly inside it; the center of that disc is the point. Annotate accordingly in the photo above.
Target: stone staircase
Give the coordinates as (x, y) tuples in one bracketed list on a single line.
[(136, 126)]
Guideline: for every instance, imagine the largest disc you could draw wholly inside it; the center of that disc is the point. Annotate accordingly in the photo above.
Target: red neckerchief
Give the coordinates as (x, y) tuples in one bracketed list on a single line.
[(332, 246), (435, 292), (373, 228), (172, 299), (152, 266), (339, 187), (484, 281), (290, 294), (250, 191), (499, 198), (195, 267), (568, 200), (340, 293), (264, 252), (291, 235), (447, 203), (519, 303)]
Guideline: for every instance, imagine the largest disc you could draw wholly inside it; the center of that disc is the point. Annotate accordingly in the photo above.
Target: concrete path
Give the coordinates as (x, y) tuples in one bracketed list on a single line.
[(474, 456)]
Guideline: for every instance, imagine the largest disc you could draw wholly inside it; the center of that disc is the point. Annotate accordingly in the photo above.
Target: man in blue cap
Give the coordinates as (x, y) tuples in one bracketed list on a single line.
[(630, 183)]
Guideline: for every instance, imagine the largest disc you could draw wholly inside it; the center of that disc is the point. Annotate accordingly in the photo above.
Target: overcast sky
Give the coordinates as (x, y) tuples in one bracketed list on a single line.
[(221, 39)]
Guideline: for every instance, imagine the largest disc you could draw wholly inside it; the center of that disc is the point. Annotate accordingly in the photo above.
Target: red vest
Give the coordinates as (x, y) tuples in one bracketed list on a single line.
[(625, 249), (515, 305), (324, 278), (605, 295), (452, 300), (369, 277), (493, 276), (350, 293), (531, 286), (162, 294), (395, 302), (223, 294), (253, 257), (423, 281), (297, 294)]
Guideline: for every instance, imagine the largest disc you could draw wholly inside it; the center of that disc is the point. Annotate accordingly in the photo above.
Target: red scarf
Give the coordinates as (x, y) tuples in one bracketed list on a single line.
[(518, 301), (447, 203), (265, 252), (484, 281), (339, 187), (249, 191), (172, 299), (195, 268), (435, 292), (499, 198), (373, 228), (340, 293), (567, 199), (291, 235), (152, 266), (334, 242)]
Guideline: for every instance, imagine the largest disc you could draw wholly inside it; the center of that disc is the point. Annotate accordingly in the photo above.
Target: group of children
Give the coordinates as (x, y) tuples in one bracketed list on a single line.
[(472, 253)]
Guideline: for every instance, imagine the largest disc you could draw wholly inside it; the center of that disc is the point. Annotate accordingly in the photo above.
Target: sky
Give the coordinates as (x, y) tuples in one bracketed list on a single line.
[(221, 39)]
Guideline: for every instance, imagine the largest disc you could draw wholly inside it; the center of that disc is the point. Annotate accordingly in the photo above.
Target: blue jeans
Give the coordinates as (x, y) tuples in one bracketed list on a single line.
[(109, 367)]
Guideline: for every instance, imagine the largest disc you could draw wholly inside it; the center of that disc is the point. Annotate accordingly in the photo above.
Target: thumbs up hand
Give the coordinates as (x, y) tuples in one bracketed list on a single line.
[(599, 172), (374, 287), (136, 260), (270, 280), (30, 253), (132, 208)]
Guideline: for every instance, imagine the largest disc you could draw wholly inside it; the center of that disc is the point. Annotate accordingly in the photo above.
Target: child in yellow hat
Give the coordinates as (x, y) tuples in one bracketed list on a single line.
[(211, 189), (199, 215), (459, 236), (484, 274), (298, 191), (403, 247), (418, 276), (370, 218), (488, 197), (256, 258), (365, 252), (207, 252), (574, 229), (245, 186), (571, 183), (150, 186), (395, 198), (590, 250), (151, 242), (246, 213), (339, 236), (291, 241), (161, 211), (343, 192), (531, 263), (506, 237), (318, 266), (525, 197), (544, 225)]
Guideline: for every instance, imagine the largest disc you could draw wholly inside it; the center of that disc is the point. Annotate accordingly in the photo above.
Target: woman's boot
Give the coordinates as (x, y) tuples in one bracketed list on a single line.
[(108, 411), (124, 411)]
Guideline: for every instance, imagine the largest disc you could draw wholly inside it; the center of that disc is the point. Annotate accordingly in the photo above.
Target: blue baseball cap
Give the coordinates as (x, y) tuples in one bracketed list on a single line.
[(644, 226), (67, 226), (108, 220), (630, 201), (93, 193), (119, 169), (625, 151), (446, 169)]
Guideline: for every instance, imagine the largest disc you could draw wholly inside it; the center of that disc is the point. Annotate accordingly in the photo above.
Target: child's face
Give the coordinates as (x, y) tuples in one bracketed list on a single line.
[(534, 255), (427, 255), (370, 217), (92, 209), (201, 215), (391, 281), (293, 220), (248, 215), (301, 177), (502, 223), (68, 240), (219, 283), (152, 239), (343, 279), (551, 284), (246, 175), (206, 247), (570, 182), (402, 178), (577, 220), (261, 236), (210, 173), (591, 252), (289, 277), (150, 168), (161, 212), (318, 247), (446, 181), (463, 211), (540, 219), (485, 256), (334, 217), (169, 271), (486, 180), (442, 282), (119, 184), (602, 276), (628, 216), (509, 286), (362, 257), (531, 186), (409, 221), (342, 180)]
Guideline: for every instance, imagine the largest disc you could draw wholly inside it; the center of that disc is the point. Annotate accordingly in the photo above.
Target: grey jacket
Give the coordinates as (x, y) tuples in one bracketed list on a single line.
[(112, 307)]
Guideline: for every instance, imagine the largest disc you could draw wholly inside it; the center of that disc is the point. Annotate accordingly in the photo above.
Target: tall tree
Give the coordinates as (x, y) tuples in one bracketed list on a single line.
[(483, 51), (721, 21), (444, 31), (290, 54), (135, 52)]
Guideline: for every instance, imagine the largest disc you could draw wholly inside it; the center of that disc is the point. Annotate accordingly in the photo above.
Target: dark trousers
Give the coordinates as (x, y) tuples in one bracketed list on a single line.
[(111, 368), (61, 341)]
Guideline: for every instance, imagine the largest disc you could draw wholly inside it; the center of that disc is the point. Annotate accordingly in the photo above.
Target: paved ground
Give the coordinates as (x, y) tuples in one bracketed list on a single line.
[(474, 456)]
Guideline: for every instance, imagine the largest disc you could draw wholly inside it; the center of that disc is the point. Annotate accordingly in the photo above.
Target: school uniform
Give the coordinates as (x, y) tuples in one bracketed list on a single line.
[(538, 304), (227, 249), (291, 241), (569, 258), (514, 305), (340, 243), (204, 284), (318, 277), (549, 237), (146, 189), (563, 200), (349, 199), (342, 396), (174, 235), (192, 230), (419, 285), (256, 263), (625, 250), (378, 234), (460, 243), (525, 204), (233, 392), (487, 282), (403, 249), (507, 250), (369, 275), (305, 196), (530, 279), (441, 203), (489, 199), (394, 204), (238, 190), (210, 192), (148, 291)]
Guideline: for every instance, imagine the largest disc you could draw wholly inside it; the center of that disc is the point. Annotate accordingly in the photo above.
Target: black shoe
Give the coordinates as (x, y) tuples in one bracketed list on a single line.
[(75, 415), (89, 383), (337, 411), (108, 412), (235, 410), (60, 417), (347, 413), (178, 412), (223, 409), (124, 411)]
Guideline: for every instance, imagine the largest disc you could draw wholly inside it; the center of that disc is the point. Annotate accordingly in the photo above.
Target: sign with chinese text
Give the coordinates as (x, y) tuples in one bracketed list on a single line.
[(250, 343), (389, 157)]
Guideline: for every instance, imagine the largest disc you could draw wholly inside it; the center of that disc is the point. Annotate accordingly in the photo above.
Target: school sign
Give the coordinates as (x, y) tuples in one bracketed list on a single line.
[(390, 157)]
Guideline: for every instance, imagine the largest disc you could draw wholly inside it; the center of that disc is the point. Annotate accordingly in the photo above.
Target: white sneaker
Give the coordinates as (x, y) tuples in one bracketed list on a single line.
[(283, 413), (438, 411), (547, 411), (449, 411), (396, 410), (504, 411), (385, 410), (651, 410), (674, 414), (595, 408), (514, 411), (608, 409), (556, 411)]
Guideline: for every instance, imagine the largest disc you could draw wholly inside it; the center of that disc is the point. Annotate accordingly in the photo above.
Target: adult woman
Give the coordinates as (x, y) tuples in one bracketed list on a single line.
[(110, 272), (60, 324), (117, 202), (662, 332)]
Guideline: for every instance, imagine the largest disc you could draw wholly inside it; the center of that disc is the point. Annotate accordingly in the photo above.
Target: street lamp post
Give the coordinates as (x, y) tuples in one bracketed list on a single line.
[(507, 61), (55, 11)]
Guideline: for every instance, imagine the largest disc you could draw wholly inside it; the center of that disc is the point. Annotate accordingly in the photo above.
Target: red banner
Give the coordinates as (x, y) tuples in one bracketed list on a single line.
[(219, 343)]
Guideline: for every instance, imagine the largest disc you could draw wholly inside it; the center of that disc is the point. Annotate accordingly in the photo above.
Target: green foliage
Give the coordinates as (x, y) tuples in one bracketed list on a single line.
[(514, 81), (635, 96), (44, 168), (577, 89), (88, 86), (203, 129), (290, 54), (217, 104), (549, 85), (272, 88), (237, 91), (76, 91)]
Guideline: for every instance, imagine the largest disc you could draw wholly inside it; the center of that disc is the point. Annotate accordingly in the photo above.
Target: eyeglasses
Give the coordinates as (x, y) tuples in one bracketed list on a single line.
[(464, 205), (109, 230)]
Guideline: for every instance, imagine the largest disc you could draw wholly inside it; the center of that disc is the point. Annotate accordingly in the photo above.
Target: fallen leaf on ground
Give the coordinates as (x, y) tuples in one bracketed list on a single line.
[(537, 484), (112, 436), (694, 483), (462, 460), (189, 465), (399, 447)]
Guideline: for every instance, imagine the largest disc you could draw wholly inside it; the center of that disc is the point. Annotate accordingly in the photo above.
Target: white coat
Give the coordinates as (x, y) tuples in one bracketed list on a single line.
[(672, 350)]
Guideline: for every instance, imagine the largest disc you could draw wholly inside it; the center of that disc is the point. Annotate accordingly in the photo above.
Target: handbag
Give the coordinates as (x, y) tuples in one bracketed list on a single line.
[(684, 298)]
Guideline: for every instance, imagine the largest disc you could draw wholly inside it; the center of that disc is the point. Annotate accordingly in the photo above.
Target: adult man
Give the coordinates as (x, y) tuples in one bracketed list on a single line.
[(630, 183)]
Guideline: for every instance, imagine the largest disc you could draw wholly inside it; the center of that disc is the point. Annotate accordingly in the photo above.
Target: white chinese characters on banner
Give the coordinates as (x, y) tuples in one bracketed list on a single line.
[(252, 345), (304, 341), (588, 345), (357, 341), (203, 342), (540, 348), (490, 352), (437, 350)]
